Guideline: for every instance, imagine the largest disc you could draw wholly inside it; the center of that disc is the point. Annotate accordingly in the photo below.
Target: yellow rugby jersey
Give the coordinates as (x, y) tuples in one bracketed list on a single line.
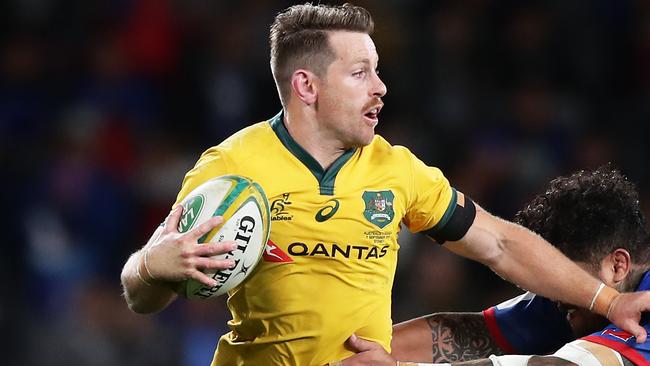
[(329, 265)]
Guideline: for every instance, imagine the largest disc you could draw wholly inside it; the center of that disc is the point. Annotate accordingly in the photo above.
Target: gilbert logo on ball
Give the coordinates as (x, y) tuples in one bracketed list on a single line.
[(245, 210)]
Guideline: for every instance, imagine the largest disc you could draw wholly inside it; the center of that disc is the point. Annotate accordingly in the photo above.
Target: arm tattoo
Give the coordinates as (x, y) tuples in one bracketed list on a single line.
[(460, 337)]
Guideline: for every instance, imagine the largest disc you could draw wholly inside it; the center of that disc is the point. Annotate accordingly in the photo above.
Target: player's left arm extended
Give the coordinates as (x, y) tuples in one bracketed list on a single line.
[(527, 260)]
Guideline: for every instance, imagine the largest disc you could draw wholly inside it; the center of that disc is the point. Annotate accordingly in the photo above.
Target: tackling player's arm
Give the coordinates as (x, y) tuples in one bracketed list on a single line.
[(150, 274), (582, 353), (527, 260), (443, 337)]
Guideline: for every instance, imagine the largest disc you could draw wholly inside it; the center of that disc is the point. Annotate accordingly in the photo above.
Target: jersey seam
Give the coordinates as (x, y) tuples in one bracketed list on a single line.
[(226, 158)]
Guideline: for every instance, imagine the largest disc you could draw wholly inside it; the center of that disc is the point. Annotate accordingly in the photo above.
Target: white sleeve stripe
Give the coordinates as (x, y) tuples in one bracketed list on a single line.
[(514, 301)]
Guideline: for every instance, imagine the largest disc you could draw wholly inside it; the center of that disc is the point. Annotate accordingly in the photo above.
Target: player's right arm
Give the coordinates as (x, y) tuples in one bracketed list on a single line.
[(150, 274), (443, 337)]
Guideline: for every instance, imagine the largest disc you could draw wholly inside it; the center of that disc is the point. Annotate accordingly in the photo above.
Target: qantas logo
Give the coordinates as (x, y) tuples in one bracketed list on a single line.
[(335, 250), (274, 254), (620, 334)]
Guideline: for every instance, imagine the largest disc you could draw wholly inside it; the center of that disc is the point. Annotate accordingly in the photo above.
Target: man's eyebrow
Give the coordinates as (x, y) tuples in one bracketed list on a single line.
[(364, 60)]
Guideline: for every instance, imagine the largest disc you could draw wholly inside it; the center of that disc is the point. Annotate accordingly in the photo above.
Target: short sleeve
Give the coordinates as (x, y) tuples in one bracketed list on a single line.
[(431, 197), (212, 163)]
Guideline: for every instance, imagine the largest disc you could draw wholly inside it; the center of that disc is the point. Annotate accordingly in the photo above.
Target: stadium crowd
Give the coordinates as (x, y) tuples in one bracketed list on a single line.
[(105, 105)]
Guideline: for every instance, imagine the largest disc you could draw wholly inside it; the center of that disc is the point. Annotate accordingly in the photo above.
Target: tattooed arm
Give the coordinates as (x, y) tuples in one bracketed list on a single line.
[(443, 337), (463, 339), (579, 353), (372, 354), (532, 361)]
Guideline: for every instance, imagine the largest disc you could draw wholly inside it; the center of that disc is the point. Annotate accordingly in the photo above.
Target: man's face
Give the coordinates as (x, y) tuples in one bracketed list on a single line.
[(349, 100)]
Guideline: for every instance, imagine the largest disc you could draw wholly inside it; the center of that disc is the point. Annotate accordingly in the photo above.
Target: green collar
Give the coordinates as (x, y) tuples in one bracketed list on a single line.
[(324, 177)]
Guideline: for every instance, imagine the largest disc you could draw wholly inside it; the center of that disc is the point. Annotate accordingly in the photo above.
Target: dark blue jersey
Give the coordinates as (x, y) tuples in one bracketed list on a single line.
[(529, 325)]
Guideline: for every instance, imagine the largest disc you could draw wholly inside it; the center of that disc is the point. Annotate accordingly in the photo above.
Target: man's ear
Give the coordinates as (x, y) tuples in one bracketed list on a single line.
[(622, 264), (304, 84)]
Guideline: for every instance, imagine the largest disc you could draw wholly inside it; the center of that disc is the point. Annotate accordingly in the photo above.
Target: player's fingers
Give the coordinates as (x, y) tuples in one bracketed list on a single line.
[(203, 278), (211, 249), (640, 333), (209, 263), (357, 344), (205, 227), (172, 220)]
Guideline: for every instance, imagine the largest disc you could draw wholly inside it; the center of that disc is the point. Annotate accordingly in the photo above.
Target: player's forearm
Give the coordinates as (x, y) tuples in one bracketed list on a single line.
[(524, 258), (532, 263), (142, 294), (443, 337)]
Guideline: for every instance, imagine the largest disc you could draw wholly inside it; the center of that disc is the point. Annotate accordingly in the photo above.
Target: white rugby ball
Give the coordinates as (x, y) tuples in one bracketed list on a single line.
[(245, 210)]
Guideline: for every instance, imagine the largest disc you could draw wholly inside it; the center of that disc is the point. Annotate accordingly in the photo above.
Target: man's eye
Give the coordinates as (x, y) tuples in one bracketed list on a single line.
[(359, 73)]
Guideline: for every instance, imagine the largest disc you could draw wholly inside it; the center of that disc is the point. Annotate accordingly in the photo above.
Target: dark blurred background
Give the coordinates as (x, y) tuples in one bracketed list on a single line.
[(104, 105)]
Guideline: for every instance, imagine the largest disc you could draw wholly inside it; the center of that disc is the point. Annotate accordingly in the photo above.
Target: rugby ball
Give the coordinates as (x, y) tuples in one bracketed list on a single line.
[(245, 210)]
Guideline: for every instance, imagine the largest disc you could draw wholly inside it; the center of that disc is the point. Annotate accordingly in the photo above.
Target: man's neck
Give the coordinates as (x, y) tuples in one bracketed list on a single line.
[(633, 279), (307, 133)]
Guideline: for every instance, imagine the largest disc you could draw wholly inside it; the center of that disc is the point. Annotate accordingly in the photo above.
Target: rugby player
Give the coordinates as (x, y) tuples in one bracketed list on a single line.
[(349, 191)]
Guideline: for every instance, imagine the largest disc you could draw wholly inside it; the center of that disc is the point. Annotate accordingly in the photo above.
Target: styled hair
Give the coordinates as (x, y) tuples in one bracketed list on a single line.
[(589, 214), (299, 39)]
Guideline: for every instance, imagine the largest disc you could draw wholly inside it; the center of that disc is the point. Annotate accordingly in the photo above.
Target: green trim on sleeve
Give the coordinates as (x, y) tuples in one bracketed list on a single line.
[(447, 215)]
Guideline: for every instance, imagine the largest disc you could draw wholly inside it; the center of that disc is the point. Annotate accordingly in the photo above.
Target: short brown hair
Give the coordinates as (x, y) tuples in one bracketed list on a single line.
[(299, 39)]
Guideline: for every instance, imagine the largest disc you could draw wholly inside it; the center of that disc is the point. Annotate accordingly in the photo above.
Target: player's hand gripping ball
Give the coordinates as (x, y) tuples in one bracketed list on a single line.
[(245, 210)]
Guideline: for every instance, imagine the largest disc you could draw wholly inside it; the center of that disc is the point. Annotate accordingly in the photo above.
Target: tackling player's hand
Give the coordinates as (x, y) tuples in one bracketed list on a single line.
[(175, 256), (368, 353), (626, 311)]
